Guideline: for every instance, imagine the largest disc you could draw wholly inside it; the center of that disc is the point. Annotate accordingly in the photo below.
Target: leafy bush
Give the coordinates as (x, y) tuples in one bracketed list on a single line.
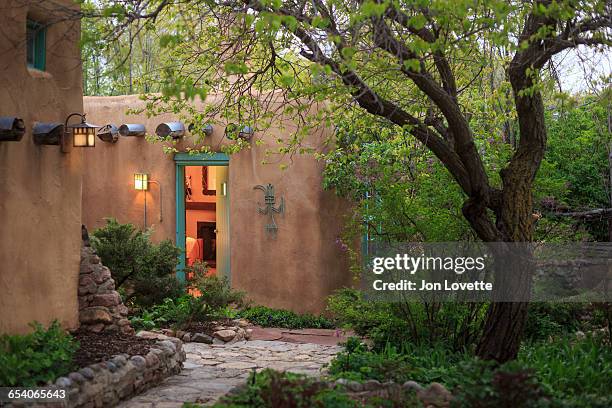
[(455, 324), (358, 363), (214, 300), (482, 385), (273, 389), (267, 317), (578, 371), (171, 312), (553, 319), (36, 358), (144, 270)]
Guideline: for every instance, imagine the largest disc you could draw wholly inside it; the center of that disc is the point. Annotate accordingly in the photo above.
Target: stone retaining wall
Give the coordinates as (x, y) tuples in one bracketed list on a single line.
[(100, 305), (107, 383)]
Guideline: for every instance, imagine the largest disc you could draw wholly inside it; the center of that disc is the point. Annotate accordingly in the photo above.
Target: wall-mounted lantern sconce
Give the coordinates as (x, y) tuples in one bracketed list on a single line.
[(176, 130), (109, 133), (141, 183), (132, 129), (207, 129), (47, 133), (83, 133), (223, 189), (12, 129)]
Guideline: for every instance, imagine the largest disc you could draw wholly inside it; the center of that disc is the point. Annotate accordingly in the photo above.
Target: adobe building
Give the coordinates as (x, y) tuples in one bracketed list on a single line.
[(283, 255), (272, 232), (40, 187)]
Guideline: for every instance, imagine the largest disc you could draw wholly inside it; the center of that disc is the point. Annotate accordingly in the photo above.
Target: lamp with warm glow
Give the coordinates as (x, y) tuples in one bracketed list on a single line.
[(141, 181), (83, 134)]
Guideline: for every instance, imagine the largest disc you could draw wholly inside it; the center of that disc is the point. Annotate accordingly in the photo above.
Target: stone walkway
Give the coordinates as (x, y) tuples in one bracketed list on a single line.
[(210, 371)]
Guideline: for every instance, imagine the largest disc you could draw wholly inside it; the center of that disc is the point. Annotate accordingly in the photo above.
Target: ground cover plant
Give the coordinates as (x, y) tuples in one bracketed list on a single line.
[(38, 357), (269, 317), (211, 298)]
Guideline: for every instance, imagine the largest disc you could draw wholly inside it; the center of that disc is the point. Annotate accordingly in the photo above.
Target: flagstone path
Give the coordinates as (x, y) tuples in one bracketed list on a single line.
[(210, 371)]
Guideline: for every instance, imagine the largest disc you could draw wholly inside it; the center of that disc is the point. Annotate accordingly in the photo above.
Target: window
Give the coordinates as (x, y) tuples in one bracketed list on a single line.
[(36, 39)]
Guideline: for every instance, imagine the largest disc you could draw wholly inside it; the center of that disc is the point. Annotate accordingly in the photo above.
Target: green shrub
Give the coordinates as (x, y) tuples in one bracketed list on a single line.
[(267, 317), (582, 369), (483, 385), (553, 319), (273, 389), (456, 324), (144, 271), (216, 299), (36, 358), (357, 363), (170, 313)]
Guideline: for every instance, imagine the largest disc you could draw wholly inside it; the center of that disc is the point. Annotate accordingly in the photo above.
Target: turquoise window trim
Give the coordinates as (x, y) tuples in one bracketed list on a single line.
[(39, 45), (181, 160)]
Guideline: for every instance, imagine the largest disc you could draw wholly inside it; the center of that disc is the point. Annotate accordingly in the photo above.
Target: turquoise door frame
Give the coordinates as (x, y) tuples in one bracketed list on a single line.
[(181, 160)]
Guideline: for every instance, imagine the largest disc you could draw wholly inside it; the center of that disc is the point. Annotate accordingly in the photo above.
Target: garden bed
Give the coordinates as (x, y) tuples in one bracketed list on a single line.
[(97, 347)]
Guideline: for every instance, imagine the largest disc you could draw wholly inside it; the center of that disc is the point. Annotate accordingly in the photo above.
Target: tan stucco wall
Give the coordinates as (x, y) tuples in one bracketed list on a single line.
[(40, 187), (295, 270)]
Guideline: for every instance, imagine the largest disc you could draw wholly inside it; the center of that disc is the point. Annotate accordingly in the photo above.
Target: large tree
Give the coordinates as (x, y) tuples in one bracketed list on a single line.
[(411, 63)]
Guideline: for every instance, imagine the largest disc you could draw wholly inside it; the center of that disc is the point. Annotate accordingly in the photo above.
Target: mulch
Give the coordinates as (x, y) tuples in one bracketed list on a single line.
[(98, 347), (206, 327)]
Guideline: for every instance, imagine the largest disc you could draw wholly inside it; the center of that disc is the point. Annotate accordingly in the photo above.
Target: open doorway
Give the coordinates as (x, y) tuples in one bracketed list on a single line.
[(203, 213)]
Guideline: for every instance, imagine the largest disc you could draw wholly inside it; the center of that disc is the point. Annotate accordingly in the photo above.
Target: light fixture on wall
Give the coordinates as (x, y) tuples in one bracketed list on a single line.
[(223, 189), (175, 130), (12, 129), (141, 183), (109, 133), (83, 133), (132, 129)]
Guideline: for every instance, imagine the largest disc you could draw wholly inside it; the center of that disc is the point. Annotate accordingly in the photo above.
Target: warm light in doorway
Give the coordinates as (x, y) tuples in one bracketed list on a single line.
[(141, 181)]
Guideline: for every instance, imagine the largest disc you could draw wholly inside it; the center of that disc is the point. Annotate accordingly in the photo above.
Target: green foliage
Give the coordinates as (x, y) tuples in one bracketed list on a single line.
[(268, 317), (554, 319), (455, 324), (358, 363), (33, 359), (173, 312), (273, 389), (552, 374), (216, 299), (577, 371), (482, 385), (144, 269)]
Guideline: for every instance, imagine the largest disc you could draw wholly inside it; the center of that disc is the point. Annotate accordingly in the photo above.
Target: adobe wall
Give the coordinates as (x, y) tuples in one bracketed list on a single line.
[(40, 187), (295, 270)]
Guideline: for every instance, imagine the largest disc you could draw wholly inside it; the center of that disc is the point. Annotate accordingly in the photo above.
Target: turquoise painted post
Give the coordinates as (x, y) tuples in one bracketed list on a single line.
[(180, 219)]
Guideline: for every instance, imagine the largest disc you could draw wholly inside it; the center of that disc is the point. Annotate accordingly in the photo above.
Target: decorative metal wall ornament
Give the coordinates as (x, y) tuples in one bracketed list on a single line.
[(268, 208)]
